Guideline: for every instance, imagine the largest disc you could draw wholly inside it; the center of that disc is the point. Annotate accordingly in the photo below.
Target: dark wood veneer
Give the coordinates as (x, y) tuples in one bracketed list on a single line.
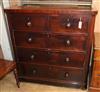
[(49, 50), (72, 59)]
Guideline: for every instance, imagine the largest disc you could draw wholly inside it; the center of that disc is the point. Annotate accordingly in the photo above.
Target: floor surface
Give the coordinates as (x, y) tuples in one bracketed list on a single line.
[(8, 84)]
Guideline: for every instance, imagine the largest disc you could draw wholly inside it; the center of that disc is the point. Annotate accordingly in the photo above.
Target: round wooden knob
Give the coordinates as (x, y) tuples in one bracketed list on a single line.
[(67, 59), (34, 71), (29, 23), (48, 35), (28, 18), (32, 57), (68, 24), (68, 42), (29, 39), (66, 74)]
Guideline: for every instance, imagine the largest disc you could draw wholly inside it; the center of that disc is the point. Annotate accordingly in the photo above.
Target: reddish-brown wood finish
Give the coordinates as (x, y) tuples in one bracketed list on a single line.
[(30, 22), (48, 45), (52, 72), (68, 58), (59, 23)]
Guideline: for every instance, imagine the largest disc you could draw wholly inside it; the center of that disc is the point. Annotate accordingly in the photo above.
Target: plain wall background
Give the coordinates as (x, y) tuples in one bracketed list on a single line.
[(96, 6), (4, 39)]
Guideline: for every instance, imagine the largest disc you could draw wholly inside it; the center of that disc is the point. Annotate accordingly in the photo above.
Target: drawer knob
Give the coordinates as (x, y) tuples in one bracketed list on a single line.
[(68, 24), (49, 53), (29, 24), (66, 74), (68, 42), (67, 59), (29, 39), (48, 35), (32, 57), (28, 18), (34, 71)]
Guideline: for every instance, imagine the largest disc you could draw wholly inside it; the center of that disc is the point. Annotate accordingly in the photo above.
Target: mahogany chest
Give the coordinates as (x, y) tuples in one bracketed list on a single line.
[(52, 45)]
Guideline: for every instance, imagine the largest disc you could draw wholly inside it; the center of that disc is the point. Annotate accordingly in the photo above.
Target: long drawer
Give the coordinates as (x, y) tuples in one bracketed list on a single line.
[(53, 41), (50, 72), (70, 59)]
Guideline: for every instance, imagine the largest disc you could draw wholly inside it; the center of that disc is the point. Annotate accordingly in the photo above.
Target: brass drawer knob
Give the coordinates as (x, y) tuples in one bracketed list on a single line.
[(29, 24), (67, 59), (32, 57)]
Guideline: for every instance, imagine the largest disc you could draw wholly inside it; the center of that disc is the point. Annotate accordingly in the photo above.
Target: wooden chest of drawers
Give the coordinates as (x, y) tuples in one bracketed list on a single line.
[(52, 45)]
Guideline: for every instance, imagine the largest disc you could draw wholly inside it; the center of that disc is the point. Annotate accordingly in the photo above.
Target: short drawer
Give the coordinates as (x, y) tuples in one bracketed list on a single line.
[(66, 74), (70, 59), (32, 55), (77, 23), (51, 72), (29, 22), (29, 39), (67, 42)]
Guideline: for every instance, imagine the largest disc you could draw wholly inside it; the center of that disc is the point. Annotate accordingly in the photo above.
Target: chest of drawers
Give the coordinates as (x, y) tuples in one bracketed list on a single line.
[(52, 45)]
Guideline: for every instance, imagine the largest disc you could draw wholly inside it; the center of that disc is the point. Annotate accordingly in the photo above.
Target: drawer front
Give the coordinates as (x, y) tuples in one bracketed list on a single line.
[(32, 55), (30, 22), (70, 23), (40, 40), (70, 59), (50, 72), (68, 42), (29, 39)]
